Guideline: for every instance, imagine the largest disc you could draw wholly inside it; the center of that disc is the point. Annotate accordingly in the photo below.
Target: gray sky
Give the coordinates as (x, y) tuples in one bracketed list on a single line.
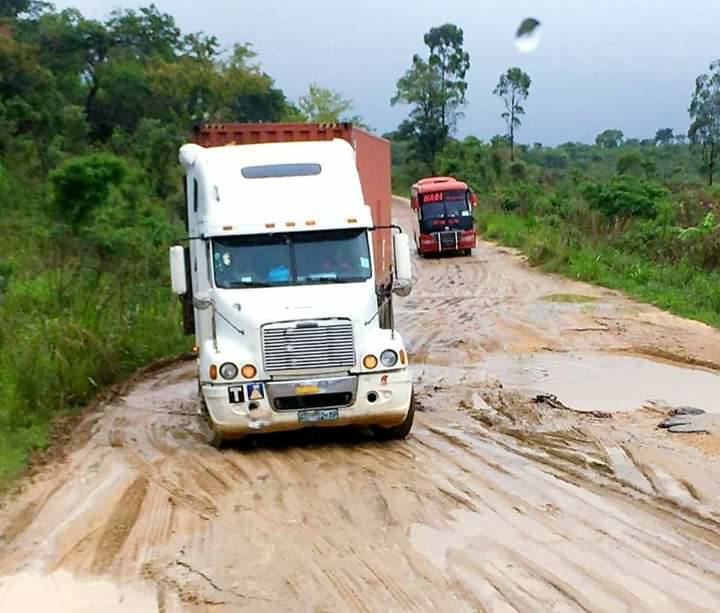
[(627, 64)]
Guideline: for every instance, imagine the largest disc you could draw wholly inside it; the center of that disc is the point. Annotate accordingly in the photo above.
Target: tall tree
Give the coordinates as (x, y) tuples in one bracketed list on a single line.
[(664, 136), (452, 62), (514, 88), (435, 89), (610, 139), (704, 132)]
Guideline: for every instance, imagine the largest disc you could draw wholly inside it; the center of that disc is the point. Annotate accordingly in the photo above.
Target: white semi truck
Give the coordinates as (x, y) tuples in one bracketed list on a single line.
[(281, 282)]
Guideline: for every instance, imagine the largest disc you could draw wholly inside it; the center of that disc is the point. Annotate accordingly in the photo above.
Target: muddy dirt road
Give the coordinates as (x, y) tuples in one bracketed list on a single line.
[(495, 502)]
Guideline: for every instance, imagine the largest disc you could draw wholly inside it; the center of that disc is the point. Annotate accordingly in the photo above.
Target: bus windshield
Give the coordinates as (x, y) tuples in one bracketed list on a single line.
[(294, 258), (450, 203)]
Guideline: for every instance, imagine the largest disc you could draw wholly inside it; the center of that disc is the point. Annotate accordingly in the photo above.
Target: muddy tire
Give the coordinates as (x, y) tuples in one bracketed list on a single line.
[(397, 432), (214, 439)]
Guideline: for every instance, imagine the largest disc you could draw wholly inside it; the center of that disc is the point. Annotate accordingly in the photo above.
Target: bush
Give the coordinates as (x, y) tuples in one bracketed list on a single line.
[(518, 171), (83, 184), (623, 197)]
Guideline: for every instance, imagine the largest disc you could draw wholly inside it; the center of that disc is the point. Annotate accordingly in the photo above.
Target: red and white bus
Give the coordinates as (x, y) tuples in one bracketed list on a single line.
[(444, 220)]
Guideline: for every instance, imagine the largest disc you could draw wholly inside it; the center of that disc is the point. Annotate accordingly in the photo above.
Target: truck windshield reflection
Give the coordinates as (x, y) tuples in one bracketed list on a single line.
[(294, 258)]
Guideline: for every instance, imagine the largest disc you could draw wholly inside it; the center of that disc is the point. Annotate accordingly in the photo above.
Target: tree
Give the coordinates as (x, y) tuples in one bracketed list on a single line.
[(447, 55), (629, 163), (324, 105), (610, 139), (145, 33), (513, 87), (435, 89), (250, 95), (704, 132), (664, 136), (12, 8)]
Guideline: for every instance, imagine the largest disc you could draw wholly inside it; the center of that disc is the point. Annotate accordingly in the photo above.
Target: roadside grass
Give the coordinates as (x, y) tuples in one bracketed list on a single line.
[(59, 350), (678, 288)]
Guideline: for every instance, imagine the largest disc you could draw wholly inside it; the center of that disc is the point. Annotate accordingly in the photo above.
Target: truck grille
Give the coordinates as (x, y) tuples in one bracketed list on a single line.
[(309, 345)]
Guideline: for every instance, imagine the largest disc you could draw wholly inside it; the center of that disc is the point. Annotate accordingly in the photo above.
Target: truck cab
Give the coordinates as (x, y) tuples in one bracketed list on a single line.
[(443, 219), (283, 291)]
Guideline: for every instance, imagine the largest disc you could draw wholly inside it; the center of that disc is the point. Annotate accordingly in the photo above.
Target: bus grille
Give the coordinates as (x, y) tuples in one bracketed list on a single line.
[(448, 240), (309, 345)]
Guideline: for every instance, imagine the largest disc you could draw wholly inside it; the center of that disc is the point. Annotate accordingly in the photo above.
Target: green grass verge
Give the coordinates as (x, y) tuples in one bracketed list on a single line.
[(57, 355), (679, 288)]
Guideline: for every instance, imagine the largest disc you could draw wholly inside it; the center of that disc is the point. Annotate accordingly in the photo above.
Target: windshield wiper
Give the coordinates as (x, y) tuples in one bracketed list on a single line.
[(237, 284), (334, 280)]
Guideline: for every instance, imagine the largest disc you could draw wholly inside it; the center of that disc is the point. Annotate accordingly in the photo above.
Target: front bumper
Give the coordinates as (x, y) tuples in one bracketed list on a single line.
[(453, 240), (391, 392)]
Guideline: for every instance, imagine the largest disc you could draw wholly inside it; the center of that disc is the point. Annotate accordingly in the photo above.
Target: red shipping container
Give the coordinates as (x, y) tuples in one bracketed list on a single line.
[(373, 161)]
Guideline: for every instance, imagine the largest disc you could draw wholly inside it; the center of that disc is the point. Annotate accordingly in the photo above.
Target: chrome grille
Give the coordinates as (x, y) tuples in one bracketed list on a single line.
[(309, 345)]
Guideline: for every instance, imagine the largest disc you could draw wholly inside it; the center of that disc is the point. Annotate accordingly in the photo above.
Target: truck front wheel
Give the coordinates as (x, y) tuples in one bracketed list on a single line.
[(214, 438), (401, 430)]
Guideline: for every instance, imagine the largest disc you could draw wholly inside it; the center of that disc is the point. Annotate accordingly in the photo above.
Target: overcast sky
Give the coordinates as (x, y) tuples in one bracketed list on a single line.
[(627, 64)]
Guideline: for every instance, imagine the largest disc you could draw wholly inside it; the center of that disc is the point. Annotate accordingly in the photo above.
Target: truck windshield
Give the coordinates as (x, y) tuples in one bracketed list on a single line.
[(294, 258)]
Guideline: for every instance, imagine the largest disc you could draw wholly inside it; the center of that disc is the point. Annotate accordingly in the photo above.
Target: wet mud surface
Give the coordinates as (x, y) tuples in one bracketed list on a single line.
[(497, 501)]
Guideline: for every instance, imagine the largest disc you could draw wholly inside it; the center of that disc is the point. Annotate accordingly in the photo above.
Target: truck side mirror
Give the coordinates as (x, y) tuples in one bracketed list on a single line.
[(403, 265), (178, 274)]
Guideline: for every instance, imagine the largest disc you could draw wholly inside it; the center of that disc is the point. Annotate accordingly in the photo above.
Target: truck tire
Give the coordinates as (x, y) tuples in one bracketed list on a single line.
[(401, 430), (215, 440)]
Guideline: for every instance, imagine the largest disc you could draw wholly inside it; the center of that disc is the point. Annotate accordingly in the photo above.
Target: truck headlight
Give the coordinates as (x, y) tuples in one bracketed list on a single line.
[(388, 358), (228, 370)]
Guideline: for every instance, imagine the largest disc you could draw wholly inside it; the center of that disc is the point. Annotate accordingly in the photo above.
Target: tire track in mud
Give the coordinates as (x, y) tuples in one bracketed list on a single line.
[(119, 525), (492, 504)]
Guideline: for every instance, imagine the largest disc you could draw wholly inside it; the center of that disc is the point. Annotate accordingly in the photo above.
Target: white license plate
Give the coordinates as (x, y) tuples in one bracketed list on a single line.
[(318, 415)]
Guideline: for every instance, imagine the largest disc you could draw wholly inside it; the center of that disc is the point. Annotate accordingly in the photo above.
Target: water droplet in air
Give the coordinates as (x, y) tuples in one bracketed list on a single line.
[(527, 37)]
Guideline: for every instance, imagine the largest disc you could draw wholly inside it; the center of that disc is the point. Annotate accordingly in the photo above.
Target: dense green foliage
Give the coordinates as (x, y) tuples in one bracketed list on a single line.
[(91, 116)]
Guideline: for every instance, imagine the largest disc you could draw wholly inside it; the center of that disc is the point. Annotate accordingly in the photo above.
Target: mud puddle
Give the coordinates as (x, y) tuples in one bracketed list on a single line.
[(591, 381), (61, 591)]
